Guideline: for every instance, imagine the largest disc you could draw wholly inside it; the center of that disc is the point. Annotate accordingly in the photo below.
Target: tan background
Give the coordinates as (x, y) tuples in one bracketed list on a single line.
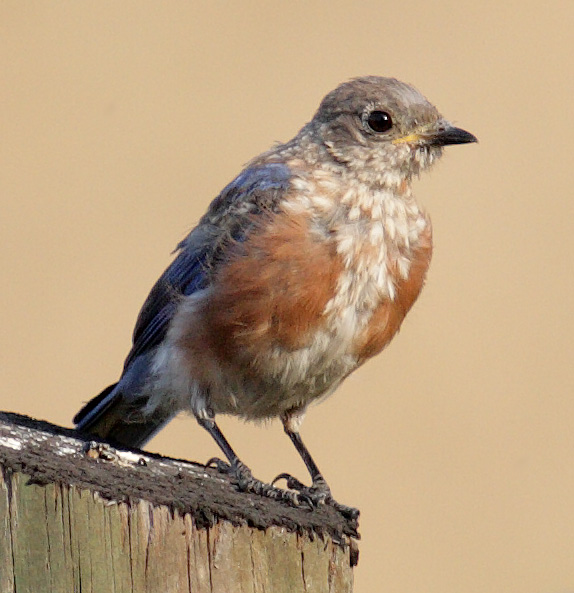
[(120, 121)]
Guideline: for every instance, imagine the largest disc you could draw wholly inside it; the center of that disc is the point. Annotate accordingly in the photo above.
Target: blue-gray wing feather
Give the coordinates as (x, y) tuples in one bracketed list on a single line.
[(255, 190)]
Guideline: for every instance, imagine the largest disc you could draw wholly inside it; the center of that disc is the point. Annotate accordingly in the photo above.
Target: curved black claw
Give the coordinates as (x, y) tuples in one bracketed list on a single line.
[(318, 493), (292, 482), (220, 465)]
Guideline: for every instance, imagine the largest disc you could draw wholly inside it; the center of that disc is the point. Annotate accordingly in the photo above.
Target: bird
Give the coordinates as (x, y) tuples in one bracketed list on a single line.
[(302, 269)]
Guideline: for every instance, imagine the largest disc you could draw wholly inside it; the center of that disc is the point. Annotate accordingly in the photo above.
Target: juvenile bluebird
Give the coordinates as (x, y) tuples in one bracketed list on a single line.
[(303, 268)]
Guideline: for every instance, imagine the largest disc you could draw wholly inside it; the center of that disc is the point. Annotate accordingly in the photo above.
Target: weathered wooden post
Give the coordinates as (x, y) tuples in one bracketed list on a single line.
[(78, 520)]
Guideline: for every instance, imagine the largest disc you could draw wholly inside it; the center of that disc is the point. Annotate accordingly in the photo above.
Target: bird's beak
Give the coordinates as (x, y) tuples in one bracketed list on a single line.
[(442, 135), (448, 134)]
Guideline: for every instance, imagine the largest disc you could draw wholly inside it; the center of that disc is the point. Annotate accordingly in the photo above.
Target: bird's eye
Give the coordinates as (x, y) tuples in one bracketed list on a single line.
[(379, 121)]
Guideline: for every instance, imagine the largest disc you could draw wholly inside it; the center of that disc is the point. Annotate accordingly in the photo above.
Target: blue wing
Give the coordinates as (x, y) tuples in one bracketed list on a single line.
[(256, 189), (184, 276)]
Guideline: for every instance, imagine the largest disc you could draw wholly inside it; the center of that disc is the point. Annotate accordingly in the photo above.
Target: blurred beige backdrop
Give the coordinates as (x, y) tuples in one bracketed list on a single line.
[(120, 121)]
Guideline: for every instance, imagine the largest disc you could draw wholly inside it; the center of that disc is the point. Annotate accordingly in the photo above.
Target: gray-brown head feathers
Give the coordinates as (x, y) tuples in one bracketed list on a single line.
[(383, 130)]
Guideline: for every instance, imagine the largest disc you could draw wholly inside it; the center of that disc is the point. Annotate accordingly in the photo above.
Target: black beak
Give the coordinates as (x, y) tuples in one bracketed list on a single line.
[(451, 135)]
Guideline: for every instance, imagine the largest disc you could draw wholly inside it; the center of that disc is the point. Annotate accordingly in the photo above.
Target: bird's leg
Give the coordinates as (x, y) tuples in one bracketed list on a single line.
[(241, 474), (319, 491), (319, 485)]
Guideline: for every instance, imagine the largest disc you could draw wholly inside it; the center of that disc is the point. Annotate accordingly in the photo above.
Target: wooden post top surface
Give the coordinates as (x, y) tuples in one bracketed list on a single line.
[(48, 453), (81, 516)]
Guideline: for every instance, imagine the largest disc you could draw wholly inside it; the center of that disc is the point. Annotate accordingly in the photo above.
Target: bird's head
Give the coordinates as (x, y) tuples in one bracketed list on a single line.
[(382, 130)]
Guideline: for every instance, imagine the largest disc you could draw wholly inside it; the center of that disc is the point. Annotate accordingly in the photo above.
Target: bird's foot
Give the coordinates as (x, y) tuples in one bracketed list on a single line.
[(318, 493), (243, 479)]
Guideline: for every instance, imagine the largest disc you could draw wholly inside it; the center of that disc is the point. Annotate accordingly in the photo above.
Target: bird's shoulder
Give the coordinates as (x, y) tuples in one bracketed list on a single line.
[(258, 188)]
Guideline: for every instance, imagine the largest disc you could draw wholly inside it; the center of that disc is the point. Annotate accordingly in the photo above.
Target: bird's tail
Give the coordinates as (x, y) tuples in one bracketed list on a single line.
[(110, 417)]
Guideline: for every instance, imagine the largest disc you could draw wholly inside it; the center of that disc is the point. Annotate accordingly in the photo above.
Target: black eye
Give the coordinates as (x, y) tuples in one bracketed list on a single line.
[(379, 121)]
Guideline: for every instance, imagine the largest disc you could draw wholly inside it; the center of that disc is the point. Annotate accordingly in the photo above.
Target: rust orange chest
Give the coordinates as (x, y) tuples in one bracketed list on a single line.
[(387, 317)]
